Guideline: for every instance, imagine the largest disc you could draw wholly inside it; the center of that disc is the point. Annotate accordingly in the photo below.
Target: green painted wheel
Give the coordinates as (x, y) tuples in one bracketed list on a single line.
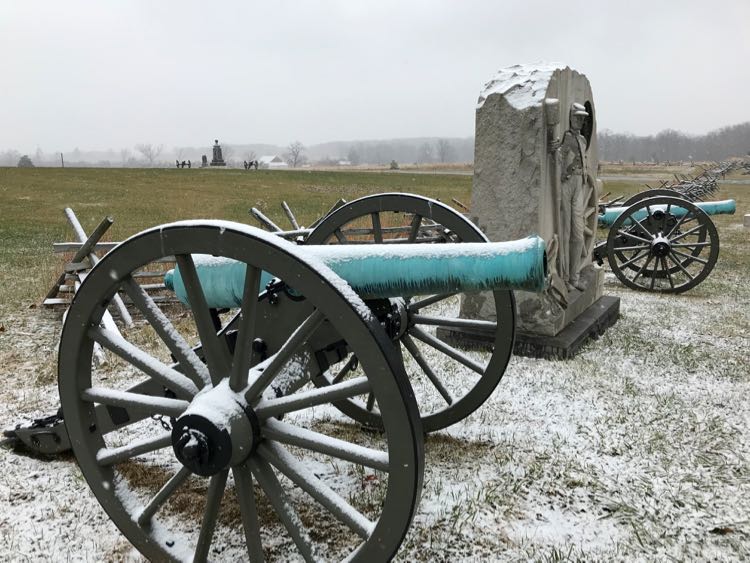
[(662, 244), (450, 383), (301, 482)]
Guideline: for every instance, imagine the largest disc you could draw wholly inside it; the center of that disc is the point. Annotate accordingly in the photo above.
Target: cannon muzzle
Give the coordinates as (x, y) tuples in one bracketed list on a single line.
[(380, 270), (724, 207)]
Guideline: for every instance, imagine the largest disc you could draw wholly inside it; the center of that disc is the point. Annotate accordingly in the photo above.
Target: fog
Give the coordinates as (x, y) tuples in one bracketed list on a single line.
[(111, 75)]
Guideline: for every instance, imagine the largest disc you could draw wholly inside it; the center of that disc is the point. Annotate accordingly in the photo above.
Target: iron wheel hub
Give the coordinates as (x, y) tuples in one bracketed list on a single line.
[(661, 247), (207, 439)]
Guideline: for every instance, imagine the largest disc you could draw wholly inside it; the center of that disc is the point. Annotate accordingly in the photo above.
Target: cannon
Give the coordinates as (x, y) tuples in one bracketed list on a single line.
[(659, 242), (223, 432)]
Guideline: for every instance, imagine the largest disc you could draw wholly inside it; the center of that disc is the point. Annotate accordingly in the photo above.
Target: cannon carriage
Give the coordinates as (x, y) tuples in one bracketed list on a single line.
[(660, 241), (283, 344)]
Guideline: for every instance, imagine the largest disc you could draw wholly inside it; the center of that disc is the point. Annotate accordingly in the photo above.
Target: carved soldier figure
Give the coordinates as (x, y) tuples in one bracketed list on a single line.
[(572, 179)]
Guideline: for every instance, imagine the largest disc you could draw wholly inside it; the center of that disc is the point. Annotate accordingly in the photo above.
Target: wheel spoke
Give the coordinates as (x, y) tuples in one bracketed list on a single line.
[(110, 456), (631, 248), (214, 347), (191, 364), (679, 223), (454, 322), (431, 375), (690, 257), (340, 236), (377, 229), (687, 233), (667, 271), (637, 256), (422, 303), (415, 222), (210, 515), (680, 266), (305, 479), (314, 397), (653, 274), (272, 366), (144, 518), (284, 509), (643, 268), (640, 225), (243, 355), (447, 349), (136, 402), (308, 439), (167, 376), (692, 245), (243, 482), (633, 236)]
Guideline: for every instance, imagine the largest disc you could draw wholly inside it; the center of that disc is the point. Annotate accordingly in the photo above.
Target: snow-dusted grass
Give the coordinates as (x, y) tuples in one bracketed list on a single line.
[(637, 449)]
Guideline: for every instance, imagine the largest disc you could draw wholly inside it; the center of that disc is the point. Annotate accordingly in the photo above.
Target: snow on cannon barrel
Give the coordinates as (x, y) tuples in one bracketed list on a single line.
[(379, 271)]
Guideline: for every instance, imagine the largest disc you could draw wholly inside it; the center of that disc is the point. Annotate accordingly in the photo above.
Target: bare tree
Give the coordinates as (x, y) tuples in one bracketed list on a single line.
[(425, 153), (294, 154), (250, 156), (150, 152), (445, 151), (9, 157), (227, 151), (353, 156)]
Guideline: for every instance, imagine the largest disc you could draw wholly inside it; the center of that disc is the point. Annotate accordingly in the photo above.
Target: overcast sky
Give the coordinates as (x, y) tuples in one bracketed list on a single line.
[(109, 74)]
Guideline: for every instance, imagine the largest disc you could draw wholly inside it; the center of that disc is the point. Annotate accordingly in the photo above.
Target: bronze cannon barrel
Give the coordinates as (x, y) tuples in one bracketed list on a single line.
[(378, 270)]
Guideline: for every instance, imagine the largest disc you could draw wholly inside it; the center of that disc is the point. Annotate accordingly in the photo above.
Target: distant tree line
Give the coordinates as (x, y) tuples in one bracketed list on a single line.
[(418, 151), (668, 145), (671, 145)]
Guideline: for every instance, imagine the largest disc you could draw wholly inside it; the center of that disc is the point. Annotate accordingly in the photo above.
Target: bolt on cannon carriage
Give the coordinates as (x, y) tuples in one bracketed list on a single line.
[(284, 343)]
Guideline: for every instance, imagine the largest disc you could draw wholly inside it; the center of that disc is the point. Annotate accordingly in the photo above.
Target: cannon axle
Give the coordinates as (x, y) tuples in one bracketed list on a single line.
[(218, 430)]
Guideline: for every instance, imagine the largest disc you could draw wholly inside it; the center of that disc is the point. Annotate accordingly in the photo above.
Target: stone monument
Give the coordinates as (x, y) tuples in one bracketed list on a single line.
[(217, 159), (535, 165)]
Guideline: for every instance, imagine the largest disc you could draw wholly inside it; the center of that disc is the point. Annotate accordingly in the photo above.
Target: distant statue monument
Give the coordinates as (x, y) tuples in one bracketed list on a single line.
[(204, 161), (217, 159)]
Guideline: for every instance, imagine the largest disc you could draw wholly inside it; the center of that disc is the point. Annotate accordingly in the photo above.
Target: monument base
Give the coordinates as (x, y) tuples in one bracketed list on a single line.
[(592, 323), (220, 163)]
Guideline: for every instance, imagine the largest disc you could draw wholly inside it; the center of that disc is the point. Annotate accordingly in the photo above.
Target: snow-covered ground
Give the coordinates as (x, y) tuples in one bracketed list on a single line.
[(637, 449)]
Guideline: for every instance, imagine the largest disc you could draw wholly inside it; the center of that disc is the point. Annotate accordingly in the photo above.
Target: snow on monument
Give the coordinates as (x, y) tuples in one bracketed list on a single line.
[(535, 166)]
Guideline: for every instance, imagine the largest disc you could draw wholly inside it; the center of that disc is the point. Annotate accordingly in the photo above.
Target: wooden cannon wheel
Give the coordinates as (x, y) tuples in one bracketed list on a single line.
[(662, 244), (237, 471), (450, 383)]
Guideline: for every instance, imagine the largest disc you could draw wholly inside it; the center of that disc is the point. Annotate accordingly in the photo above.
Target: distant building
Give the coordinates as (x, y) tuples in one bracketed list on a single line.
[(272, 161)]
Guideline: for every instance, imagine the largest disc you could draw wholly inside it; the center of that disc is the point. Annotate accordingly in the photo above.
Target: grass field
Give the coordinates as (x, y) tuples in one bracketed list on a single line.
[(32, 202), (635, 450)]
